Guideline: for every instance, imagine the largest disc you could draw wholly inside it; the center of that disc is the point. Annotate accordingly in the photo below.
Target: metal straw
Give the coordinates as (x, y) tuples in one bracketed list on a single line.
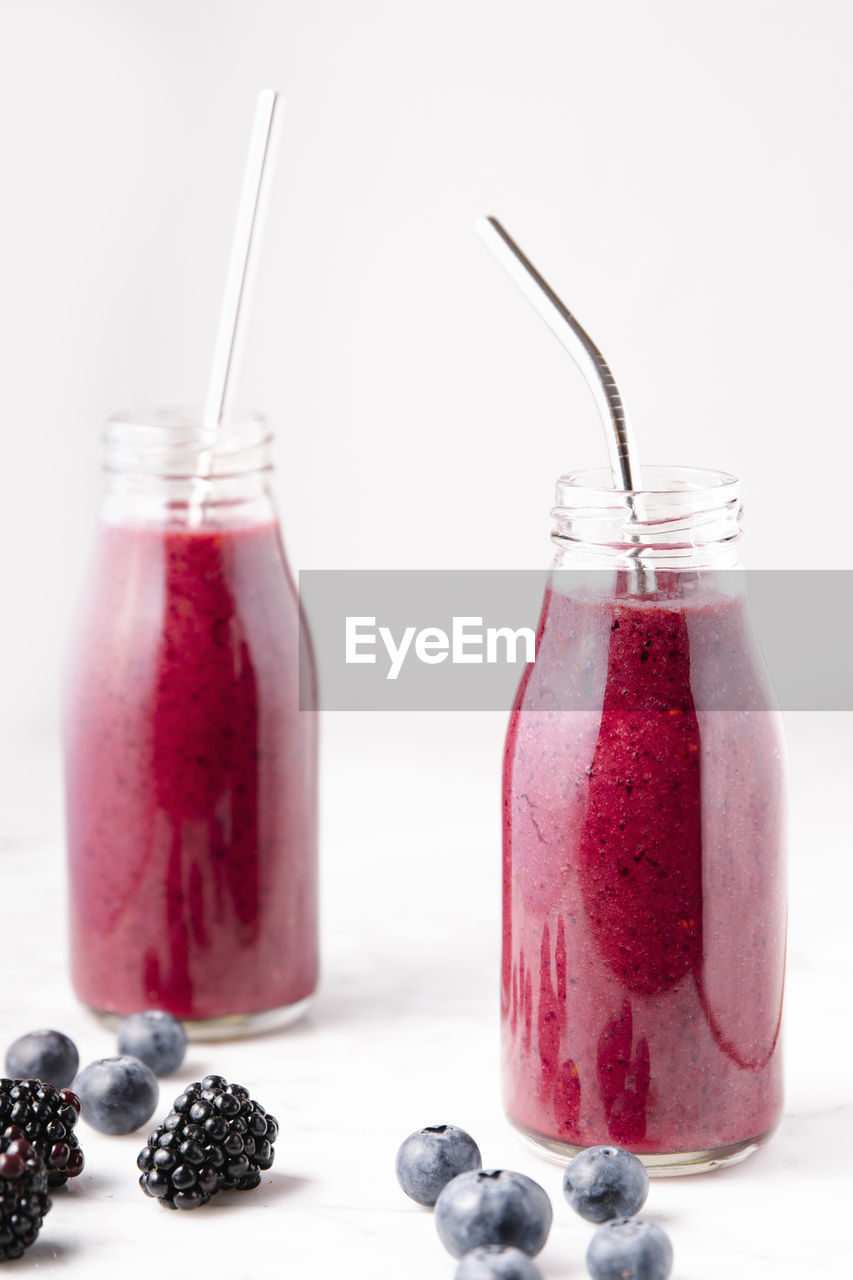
[(578, 343), (586, 355)]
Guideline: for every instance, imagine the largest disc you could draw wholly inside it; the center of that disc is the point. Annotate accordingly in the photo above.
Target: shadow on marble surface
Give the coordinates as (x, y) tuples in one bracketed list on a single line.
[(47, 1250), (805, 1144), (274, 1187), (88, 1186)]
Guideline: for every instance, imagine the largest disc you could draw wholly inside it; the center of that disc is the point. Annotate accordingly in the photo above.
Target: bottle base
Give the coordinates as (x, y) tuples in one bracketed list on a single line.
[(668, 1164), (231, 1026)]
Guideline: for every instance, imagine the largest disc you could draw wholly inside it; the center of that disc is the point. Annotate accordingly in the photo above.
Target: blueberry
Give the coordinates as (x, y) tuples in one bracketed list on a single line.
[(497, 1262), (629, 1249), (155, 1038), (48, 1056), (428, 1159), (492, 1206), (117, 1094), (605, 1182)]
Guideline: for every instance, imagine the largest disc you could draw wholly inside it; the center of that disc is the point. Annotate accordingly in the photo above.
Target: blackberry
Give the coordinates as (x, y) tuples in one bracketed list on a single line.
[(47, 1117), (23, 1193), (216, 1138)]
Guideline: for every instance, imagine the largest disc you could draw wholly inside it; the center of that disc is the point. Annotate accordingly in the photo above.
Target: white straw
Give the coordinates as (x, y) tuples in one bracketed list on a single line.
[(255, 182)]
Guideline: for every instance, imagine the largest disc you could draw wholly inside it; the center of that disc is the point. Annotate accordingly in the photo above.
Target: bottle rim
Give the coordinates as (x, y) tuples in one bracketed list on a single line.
[(174, 443), (676, 509), (598, 482)]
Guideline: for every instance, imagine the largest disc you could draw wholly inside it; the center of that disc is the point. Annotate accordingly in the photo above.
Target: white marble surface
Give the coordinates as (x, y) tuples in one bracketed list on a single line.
[(404, 1033)]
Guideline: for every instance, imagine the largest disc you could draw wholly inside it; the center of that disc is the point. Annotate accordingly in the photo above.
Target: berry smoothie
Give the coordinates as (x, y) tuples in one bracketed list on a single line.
[(191, 777), (644, 903)]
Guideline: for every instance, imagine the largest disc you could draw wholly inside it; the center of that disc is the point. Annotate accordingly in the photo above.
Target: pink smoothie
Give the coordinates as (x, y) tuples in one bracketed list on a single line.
[(191, 777), (644, 908)]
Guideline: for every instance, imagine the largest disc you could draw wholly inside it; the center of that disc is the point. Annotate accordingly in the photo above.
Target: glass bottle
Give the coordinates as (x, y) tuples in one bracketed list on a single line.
[(644, 796), (191, 771)]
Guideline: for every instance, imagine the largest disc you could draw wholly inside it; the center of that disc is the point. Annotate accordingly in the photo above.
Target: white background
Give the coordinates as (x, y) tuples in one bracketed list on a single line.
[(681, 173)]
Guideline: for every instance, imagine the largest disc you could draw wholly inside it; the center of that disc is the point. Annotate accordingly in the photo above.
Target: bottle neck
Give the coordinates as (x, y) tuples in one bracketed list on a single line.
[(166, 468), (686, 521)]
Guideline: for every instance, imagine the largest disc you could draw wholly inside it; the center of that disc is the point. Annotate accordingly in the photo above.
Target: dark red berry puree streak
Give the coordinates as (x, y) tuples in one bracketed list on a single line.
[(190, 777), (644, 917)]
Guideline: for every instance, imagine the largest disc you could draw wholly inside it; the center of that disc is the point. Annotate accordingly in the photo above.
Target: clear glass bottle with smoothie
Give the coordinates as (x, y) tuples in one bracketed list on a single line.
[(644, 799), (191, 771)]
